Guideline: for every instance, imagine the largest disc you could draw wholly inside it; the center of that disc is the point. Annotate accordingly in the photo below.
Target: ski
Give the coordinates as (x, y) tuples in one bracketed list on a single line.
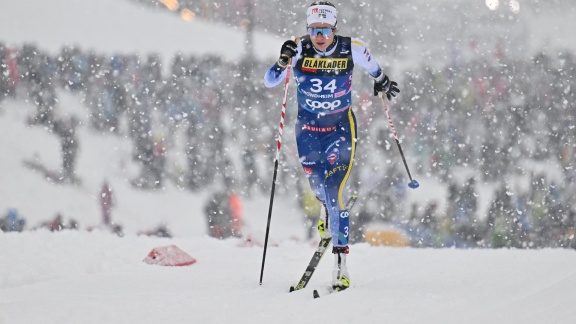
[(329, 291), (319, 253)]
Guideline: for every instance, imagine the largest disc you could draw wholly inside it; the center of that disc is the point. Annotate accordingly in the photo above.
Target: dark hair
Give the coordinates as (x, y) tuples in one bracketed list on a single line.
[(325, 3)]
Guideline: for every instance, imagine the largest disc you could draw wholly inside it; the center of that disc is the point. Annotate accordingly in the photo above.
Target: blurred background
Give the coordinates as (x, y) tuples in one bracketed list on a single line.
[(151, 117)]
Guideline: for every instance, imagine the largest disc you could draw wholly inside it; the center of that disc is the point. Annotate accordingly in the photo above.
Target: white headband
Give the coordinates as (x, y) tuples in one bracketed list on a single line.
[(321, 14)]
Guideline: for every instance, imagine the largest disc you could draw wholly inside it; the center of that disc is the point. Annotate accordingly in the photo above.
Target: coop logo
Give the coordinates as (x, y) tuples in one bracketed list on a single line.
[(326, 105), (344, 214)]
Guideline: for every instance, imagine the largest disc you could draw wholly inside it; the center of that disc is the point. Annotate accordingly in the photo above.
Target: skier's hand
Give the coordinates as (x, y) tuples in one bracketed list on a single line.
[(287, 52), (383, 84)]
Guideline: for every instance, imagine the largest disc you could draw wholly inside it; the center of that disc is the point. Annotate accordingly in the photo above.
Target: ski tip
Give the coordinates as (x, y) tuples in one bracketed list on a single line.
[(291, 289), (316, 294)]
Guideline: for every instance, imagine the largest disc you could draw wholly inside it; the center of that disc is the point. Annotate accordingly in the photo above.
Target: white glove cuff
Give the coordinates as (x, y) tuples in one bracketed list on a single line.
[(380, 78)]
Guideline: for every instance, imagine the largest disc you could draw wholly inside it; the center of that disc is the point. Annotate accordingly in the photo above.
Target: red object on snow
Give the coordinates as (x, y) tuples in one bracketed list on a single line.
[(169, 256)]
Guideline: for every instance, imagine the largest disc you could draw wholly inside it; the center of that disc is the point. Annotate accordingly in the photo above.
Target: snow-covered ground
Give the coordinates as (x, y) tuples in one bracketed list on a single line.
[(75, 277), (97, 277)]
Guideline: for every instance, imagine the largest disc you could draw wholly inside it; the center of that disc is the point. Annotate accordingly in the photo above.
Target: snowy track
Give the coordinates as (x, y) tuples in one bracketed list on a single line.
[(79, 277)]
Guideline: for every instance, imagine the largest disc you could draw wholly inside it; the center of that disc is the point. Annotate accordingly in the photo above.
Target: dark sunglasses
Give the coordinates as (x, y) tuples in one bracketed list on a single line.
[(325, 31)]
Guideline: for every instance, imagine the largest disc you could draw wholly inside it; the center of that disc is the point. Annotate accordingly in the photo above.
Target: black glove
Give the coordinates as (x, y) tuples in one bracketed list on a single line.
[(288, 51), (383, 84)]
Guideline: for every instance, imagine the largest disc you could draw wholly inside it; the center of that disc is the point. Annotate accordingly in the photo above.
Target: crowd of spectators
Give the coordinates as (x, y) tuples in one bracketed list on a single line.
[(187, 100), (510, 121), (497, 117)]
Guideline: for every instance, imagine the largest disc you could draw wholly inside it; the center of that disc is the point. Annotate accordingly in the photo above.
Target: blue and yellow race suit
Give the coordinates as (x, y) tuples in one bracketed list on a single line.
[(326, 125)]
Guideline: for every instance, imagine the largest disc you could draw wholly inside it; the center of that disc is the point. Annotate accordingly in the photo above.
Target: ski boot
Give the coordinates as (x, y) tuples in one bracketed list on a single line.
[(340, 276)]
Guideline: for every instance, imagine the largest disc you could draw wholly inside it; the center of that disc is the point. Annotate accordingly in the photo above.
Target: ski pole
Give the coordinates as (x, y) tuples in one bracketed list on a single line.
[(279, 144), (413, 183)]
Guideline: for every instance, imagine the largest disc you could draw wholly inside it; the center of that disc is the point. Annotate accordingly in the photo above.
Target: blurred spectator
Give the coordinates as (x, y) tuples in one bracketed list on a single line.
[(153, 159), (250, 170), (4, 81), (223, 213), (57, 224), (161, 230), (107, 201), (66, 130), (466, 226), (12, 222), (499, 223), (360, 221)]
